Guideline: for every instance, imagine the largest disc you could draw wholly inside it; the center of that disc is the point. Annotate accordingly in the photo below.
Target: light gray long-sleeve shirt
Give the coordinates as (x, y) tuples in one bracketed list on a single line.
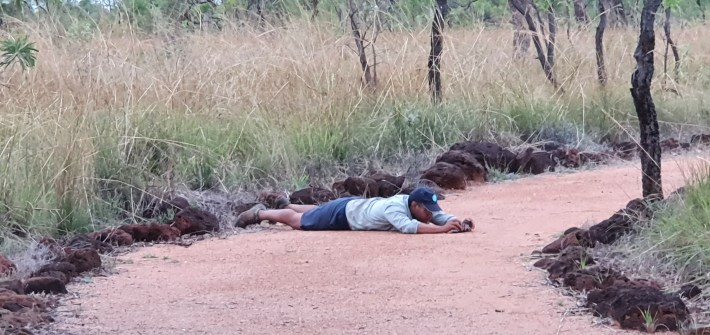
[(387, 214)]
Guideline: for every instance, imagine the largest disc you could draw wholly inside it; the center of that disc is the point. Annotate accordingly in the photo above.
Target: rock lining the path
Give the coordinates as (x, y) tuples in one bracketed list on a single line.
[(631, 302)]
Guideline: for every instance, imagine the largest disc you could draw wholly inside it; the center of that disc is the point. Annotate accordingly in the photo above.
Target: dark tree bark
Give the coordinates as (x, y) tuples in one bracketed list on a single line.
[(258, 7), (314, 3), (645, 109), (437, 47), (580, 11), (674, 48), (552, 27), (521, 40), (702, 9), (599, 40), (355, 26), (523, 6), (619, 12)]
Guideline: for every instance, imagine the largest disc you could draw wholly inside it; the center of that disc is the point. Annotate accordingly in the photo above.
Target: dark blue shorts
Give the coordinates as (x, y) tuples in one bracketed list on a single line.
[(329, 216)]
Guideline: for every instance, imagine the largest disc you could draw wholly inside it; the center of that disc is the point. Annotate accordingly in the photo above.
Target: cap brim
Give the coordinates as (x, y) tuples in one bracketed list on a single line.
[(433, 207)]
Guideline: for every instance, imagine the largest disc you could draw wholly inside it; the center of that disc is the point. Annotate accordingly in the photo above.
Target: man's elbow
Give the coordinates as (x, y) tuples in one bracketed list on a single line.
[(408, 230)]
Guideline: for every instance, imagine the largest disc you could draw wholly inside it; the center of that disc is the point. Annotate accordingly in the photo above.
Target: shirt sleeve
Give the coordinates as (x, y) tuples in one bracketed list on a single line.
[(400, 220), (440, 218)]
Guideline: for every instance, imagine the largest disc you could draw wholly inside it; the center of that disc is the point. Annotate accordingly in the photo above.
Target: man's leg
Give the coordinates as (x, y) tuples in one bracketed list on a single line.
[(284, 203), (259, 213), (287, 216), (301, 208)]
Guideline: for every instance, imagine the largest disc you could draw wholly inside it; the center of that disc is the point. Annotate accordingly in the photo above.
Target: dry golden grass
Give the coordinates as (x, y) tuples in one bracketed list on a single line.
[(303, 68), (242, 104)]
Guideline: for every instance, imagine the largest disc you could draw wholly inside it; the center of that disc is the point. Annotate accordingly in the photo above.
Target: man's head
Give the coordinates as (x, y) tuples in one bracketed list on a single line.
[(422, 203)]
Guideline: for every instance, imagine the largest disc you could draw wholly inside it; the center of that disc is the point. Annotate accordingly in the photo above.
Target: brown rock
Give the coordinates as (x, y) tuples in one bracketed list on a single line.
[(45, 285), (61, 276), (388, 184), (397, 181), (577, 254), (581, 282), (312, 196), (571, 230), (571, 259), (387, 189), (567, 157), (14, 302), (594, 157), (561, 243), (6, 266), (151, 232), (468, 164), (619, 224), (361, 187), (625, 150), (163, 207), (242, 207), (700, 139), (627, 305), (84, 241), (66, 268), (669, 144), (84, 259), (163, 233), (534, 162), (114, 236), (446, 176), (120, 238), (489, 155), (18, 311), (192, 220), (269, 199), (52, 245), (688, 291), (139, 232), (14, 285), (544, 263)]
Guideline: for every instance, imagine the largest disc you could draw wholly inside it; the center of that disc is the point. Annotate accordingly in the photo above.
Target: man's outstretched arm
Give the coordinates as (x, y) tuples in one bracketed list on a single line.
[(425, 228), (441, 218)]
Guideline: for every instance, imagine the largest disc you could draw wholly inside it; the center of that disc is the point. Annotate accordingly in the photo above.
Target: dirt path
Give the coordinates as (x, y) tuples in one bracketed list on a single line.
[(292, 282)]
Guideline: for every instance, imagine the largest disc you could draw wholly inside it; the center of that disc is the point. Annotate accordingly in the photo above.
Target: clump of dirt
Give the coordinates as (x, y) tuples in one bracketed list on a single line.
[(377, 184), (488, 154), (472, 169), (606, 232), (45, 285), (313, 196), (535, 159), (641, 308), (194, 220), (56, 263), (446, 175), (6, 266), (471, 161), (633, 303), (19, 312)]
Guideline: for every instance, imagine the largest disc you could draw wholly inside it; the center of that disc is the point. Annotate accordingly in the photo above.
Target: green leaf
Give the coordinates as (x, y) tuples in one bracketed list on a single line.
[(18, 50)]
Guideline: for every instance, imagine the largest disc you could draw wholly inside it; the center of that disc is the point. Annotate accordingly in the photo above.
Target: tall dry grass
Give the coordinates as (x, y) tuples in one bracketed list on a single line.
[(109, 114)]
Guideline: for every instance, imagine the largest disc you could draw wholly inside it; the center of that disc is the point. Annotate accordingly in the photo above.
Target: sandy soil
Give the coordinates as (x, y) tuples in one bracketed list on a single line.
[(281, 281)]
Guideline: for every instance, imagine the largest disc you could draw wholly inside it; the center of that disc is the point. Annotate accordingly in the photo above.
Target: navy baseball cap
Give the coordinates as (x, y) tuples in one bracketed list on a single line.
[(426, 197)]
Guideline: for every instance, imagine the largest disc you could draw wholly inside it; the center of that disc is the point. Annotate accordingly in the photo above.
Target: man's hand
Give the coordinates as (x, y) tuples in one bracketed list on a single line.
[(426, 228), (454, 220), (453, 225), (466, 225)]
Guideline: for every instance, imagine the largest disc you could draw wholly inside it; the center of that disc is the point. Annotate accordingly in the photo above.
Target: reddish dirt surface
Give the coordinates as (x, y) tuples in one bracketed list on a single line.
[(293, 282)]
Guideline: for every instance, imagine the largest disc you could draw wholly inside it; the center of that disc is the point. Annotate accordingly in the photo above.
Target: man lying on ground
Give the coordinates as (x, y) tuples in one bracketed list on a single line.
[(408, 214)]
